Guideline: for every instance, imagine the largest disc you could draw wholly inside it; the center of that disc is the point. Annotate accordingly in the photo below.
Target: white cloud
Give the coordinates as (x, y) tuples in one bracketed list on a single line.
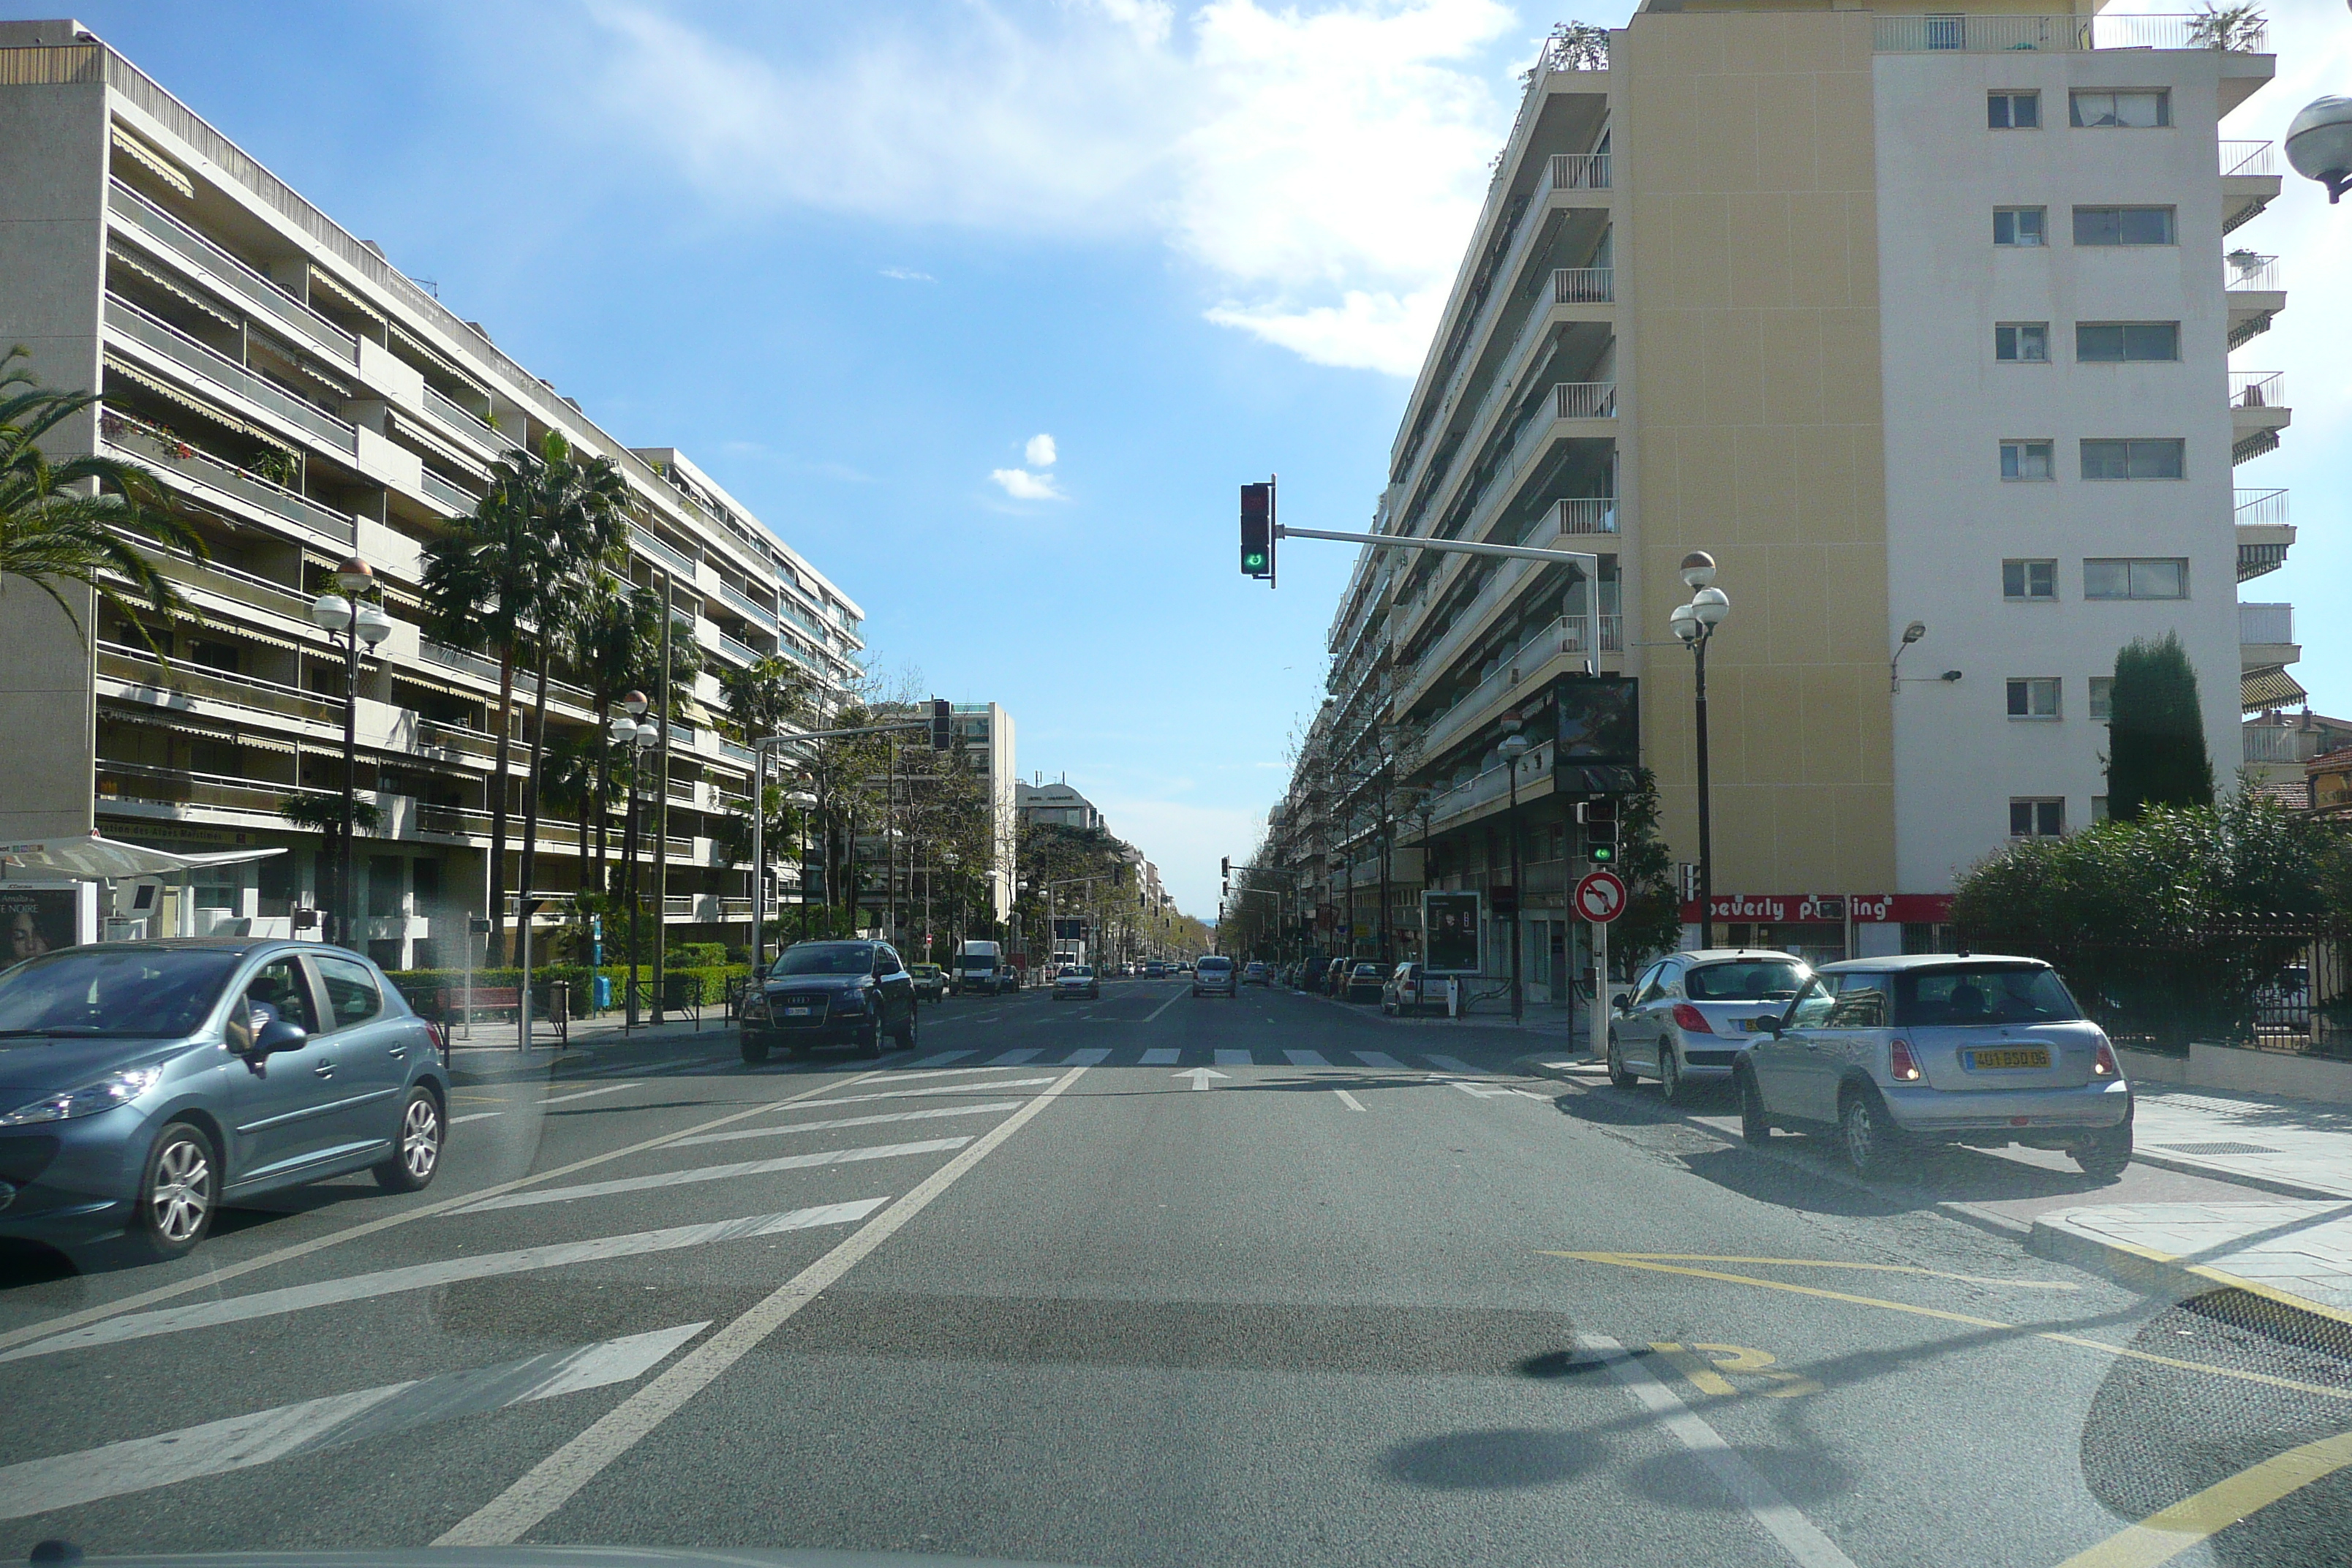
[(1023, 485), (1040, 451), (907, 275), (1322, 169)]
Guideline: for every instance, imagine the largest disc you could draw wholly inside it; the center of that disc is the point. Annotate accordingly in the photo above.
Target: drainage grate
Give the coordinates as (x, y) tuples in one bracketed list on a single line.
[(2217, 1148)]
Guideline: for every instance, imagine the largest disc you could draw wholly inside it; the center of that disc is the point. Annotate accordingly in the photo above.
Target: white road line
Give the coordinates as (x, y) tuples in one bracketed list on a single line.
[(474, 1116), (1014, 1059), (1236, 1059), (240, 1442), (1379, 1059), (1798, 1537), (425, 1276), (1455, 1064), (943, 1072), (587, 1094), (711, 1173), (1161, 1056), (1093, 1056), (1306, 1058), (556, 1479), (939, 1060), (741, 1132), (1164, 1006), (996, 1086), (1353, 1103)]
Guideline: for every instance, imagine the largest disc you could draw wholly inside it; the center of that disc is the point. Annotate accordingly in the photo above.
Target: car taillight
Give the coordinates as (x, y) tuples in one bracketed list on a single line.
[(1690, 1020), (1901, 1065), (2103, 1062)]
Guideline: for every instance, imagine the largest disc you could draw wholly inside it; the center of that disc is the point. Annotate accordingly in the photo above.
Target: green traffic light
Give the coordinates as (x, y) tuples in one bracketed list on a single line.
[(1604, 853), (1252, 563)]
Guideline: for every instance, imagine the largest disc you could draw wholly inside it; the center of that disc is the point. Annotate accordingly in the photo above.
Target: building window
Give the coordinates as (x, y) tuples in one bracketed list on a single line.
[(2025, 460), (2126, 343), (2036, 818), (2029, 580), (2102, 692), (2157, 578), (2013, 111), (2119, 111), (2098, 808), (2034, 697), (2144, 458), (2122, 226), (2022, 342), (2018, 225)]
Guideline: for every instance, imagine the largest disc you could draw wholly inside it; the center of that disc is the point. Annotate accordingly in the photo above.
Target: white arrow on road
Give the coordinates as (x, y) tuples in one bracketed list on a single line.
[(1201, 1076)]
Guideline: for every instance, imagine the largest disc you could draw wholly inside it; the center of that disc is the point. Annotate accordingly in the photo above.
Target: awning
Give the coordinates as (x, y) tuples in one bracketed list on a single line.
[(426, 683), (322, 280), (448, 366), (2270, 687), (90, 857), (154, 162), (131, 260), (238, 628), (194, 405)]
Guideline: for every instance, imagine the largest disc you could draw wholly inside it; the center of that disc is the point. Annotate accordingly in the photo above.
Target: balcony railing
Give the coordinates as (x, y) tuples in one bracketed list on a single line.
[(2266, 624), (219, 264), (462, 503), (245, 587), (1579, 170), (2261, 506), (121, 316), (738, 649), (1585, 514), (205, 471), (2251, 274), (654, 546), (2258, 389), (463, 420), (1585, 400), (139, 668), (2002, 34), (181, 786), (1583, 285), (2249, 158), (2279, 743), (748, 606)]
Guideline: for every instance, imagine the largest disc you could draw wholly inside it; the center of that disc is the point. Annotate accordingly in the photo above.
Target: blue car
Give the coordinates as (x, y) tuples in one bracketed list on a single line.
[(144, 1084)]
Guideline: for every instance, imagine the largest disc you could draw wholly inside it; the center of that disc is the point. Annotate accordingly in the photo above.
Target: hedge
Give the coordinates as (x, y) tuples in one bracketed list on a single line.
[(707, 982)]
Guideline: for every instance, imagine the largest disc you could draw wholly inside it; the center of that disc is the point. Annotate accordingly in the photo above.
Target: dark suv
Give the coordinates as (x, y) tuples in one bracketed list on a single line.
[(831, 994)]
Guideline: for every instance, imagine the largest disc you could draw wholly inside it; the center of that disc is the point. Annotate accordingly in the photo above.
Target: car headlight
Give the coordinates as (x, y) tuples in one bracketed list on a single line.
[(850, 1001), (755, 1006), (117, 1088)]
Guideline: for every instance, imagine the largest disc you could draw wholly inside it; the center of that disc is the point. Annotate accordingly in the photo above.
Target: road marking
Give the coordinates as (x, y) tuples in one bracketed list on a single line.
[(2165, 1535), (241, 1442), (874, 1120), (1161, 1056), (997, 1086), (447, 1271), (939, 1060), (1695, 1370), (1306, 1058), (554, 1481), (1014, 1059), (1798, 1536), (474, 1116), (1201, 1076), (1353, 1103), (1481, 1090), (711, 1173), (1455, 1064), (943, 1072), (1838, 1263), (1379, 1059), (1093, 1056), (1236, 1059), (587, 1094), (1163, 1007)]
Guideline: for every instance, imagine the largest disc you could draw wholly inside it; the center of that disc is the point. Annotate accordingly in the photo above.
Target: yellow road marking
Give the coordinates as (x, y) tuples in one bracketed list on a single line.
[(1626, 1260), (1834, 1263), (1745, 1359), (1696, 1370), (2163, 1536)]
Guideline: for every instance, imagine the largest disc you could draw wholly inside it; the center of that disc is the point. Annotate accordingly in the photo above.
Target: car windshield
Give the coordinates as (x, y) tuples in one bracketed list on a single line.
[(826, 958), (1077, 974), (1983, 994), (1745, 980), (114, 991)]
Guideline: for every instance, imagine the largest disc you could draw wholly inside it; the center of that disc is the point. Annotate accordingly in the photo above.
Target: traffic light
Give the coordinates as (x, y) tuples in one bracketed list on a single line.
[(1225, 868), (1258, 531), (942, 725), (1600, 818)]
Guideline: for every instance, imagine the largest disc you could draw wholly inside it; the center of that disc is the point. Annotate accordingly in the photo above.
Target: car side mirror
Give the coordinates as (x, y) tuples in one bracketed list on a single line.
[(1770, 1027), (279, 1035)]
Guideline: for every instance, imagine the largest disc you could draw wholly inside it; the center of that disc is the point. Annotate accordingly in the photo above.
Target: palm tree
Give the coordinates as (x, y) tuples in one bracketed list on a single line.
[(615, 647), (767, 694), (56, 528)]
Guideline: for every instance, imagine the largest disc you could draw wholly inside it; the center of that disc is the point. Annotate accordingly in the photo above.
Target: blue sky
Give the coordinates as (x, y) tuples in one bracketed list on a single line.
[(856, 259)]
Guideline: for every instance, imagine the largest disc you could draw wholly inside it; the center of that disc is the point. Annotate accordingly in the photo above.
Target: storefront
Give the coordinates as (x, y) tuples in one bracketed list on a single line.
[(1822, 928)]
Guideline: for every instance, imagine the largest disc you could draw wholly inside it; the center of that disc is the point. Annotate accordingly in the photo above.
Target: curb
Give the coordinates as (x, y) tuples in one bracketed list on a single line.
[(2162, 1274), (2237, 1178)]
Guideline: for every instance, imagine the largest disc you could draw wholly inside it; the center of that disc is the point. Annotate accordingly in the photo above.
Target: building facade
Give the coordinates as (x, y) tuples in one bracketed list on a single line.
[(1903, 318), (302, 401)]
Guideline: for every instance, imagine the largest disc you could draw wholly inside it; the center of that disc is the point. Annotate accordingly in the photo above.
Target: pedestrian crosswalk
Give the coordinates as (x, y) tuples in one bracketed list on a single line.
[(936, 1065)]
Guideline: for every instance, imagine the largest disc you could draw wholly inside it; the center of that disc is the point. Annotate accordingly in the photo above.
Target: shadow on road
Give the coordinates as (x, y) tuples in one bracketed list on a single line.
[(1500, 1459)]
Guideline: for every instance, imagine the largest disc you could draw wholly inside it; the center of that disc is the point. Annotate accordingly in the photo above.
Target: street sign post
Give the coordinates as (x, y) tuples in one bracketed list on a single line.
[(1600, 898)]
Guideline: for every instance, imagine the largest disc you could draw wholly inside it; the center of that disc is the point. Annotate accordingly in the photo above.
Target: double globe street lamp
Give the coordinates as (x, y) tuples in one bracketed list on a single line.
[(1694, 623), (346, 616), (634, 733)]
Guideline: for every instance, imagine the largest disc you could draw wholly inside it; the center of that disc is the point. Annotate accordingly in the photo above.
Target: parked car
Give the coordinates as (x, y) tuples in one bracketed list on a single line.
[(831, 994), (1983, 1050), (1076, 981), (1335, 978), (1213, 975), (150, 1083), (1407, 991), (1155, 970), (1689, 1016), (1256, 973), (1364, 982), (931, 981)]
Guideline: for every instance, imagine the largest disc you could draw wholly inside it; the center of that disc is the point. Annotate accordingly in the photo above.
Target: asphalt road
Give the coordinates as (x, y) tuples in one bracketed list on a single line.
[(1157, 1280)]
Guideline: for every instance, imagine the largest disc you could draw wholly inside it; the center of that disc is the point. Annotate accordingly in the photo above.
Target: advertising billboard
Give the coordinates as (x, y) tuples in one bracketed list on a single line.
[(34, 921), (1450, 933)]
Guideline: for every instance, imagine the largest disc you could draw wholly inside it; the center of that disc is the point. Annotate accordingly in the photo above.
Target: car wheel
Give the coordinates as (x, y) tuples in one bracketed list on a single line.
[(755, 1051), (869, 1044), (1670, 1074), (1869, 1136), (1619, 1074), (1753, 1126), (2104, 1153), (907, 1032), (179, 1189), (418, 1152)]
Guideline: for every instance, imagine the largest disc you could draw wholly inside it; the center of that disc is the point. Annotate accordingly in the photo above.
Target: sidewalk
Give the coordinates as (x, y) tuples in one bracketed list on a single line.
[(2293, 1255), (493, 1048)]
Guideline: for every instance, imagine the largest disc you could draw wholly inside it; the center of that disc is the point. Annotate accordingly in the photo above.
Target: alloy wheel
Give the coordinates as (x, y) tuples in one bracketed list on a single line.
[(181, 1196), (420, 1139)]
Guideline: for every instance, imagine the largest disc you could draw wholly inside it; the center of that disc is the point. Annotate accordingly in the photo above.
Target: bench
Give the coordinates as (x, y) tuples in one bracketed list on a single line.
[(451, 1008)]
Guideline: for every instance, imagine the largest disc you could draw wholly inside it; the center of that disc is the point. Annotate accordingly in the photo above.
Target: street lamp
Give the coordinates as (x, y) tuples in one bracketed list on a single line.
[(357, 622), (1694, 623), (629, 731), (2319, 144), (1514, 747)]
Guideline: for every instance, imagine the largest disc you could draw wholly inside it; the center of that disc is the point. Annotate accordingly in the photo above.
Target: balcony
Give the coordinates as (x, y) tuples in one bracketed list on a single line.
[(2258, 412), (464, 421), (1583, 285), (1581, 515), (1579, 170), (2279, 743), (2250, 180), (442, 492), (741, 652), (1530, 663), (228, 582), (1584, 400), (2266, 636), (2255, 292), (121, 783), (129, 322), (2264, 534), (2067, 34), (218, 266), (653, 545), (750, 609), (223, 483), (183, 684)]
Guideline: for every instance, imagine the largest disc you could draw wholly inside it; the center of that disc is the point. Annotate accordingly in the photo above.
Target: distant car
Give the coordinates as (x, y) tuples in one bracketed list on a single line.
[(1077, 981), (931, 981), (1155, 970), (1887, 1053), (1364, 982), (1690, 1015), (1255, 974), (1213, 975), (150, 1082), (1335, 978), (1406, 990), (830, 993)]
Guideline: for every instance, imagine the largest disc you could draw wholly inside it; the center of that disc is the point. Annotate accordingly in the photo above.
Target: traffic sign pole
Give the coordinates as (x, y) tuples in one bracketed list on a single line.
[(1599, 898)]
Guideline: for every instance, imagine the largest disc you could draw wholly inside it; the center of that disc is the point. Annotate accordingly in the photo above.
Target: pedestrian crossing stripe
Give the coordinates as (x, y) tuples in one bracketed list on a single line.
[(1161, 1056), (1379, 1059), (1306, 1058)]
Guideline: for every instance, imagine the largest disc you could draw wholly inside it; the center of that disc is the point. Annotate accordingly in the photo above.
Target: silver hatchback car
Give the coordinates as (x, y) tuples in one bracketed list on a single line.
[(1690, 1015), (1939, 1047)]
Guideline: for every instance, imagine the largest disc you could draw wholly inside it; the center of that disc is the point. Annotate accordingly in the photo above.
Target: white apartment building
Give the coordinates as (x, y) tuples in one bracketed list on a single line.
[(1904, 317), (303, 401)]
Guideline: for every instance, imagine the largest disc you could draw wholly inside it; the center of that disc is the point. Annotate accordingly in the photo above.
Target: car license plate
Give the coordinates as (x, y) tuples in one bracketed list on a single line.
[(2020, 1057), (798, 1012), (1753, 1024)]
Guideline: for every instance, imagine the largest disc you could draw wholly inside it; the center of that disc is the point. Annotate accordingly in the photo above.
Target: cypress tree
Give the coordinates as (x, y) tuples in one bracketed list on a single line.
[(2156, 731)]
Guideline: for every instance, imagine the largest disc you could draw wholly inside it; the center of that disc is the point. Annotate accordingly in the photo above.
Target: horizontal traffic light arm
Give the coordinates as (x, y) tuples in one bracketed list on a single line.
[(1583, 560)]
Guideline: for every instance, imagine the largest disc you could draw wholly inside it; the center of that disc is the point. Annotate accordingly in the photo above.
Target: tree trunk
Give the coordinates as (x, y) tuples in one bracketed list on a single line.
[(537, 766), (499, 771)]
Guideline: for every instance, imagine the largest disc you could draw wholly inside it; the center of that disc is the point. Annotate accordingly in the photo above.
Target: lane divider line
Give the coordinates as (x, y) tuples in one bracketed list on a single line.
[(1352, 1102), (710, 1173), (740, 1133)]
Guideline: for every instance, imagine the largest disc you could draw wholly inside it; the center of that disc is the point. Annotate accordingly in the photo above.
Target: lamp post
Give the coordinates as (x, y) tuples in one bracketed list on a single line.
[(1694, 623), (2319, 144), (357, 622), (950, 858), (630, 731), (1514, 747)]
